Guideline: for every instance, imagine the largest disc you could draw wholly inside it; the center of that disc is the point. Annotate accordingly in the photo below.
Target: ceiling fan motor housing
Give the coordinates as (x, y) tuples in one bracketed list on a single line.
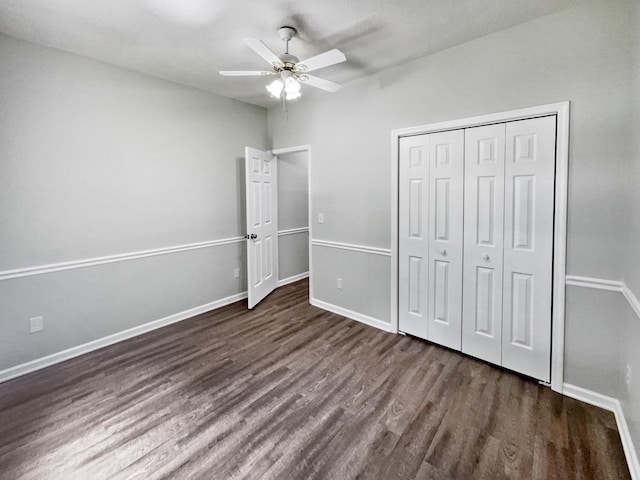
[(288, 60)]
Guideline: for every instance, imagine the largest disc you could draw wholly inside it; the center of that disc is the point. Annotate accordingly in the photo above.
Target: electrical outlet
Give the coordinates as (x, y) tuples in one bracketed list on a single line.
[(321, 218), (628, 375), (338, 283), (236, 272), (36, 324)]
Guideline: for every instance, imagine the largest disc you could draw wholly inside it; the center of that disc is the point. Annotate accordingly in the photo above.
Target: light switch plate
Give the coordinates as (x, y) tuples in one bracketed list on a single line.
[(36, 324)]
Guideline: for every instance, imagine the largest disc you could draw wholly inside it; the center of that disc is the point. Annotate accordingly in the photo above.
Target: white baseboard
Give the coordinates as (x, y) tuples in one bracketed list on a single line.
[(590, 397), (293, 278), (39, 363), (613, 405), (373, 322)]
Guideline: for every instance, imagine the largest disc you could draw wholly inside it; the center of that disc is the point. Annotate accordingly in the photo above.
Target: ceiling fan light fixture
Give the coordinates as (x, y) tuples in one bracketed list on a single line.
[(288, 85), (292, 87), (293, 96), (275, 88)]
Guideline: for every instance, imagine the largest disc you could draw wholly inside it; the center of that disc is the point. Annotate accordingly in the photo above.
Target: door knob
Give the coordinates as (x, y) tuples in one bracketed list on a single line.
[(253, 236), (443, 252), (486, 257)]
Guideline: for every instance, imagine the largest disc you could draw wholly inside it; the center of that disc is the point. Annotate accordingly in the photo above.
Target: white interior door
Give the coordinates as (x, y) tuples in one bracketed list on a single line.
[(413, 246), (446, 193), (528, 246), (483, 242), (262, 223)]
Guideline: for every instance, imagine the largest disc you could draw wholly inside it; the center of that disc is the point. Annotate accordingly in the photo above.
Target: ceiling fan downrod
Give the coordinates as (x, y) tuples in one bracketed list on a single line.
[(287, 33)]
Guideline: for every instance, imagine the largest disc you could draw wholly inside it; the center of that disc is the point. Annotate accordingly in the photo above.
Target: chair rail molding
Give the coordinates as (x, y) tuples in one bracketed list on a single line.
[(293, 231), (603, 284), (122, 257), (385, 252)]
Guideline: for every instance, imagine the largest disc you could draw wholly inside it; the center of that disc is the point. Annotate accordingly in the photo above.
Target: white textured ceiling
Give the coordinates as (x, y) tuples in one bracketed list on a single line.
[(188, 41)]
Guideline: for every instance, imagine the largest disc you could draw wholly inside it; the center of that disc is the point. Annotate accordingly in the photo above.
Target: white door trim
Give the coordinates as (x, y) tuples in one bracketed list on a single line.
[(295, 149), (561, 110)]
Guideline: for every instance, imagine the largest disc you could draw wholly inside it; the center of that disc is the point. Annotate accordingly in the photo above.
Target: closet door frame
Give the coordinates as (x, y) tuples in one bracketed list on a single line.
[(561, 111)]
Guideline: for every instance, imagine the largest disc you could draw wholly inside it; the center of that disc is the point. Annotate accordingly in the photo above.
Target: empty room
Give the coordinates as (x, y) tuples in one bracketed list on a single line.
[(319, 240)]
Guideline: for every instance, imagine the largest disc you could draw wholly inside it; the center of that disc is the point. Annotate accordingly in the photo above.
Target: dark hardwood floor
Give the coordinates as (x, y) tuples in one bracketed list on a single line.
[(289, 391)]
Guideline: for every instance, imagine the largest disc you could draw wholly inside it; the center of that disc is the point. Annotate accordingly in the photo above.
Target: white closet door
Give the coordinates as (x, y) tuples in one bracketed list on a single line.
[(413, 234), (483, 242), (528, 246), (446, 192)]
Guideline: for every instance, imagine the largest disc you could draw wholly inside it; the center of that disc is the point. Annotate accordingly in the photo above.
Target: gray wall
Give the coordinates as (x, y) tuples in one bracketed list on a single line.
[(582, 54), (97, 160), (572, 55), (632, 264), (631, 351), (630, 355), (293, 212), (595, 336)]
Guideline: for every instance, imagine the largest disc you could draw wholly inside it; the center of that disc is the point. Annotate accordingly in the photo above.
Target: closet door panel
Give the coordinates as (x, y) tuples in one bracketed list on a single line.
[(483, 242), (413, 240), (528, 246), (446, 191)]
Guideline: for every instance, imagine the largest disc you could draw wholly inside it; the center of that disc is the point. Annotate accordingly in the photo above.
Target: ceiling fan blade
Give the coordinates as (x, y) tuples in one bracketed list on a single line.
[(321, 83), (322, 60), (261, 49), (244, 73)]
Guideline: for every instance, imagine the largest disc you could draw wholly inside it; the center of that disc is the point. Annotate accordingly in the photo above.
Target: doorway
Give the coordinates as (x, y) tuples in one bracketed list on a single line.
[(293, 215), (277, 218)]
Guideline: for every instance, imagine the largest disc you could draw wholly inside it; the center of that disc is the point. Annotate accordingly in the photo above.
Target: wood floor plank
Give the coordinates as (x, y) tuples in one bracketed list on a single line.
[(289, 391)]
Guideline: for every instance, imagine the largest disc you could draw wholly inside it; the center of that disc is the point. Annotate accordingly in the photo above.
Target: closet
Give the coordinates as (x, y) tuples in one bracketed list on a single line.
[(475, 241)]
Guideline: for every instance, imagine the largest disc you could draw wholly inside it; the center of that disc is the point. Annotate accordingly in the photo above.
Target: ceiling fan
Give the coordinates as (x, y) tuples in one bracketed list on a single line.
[(290, 71)]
